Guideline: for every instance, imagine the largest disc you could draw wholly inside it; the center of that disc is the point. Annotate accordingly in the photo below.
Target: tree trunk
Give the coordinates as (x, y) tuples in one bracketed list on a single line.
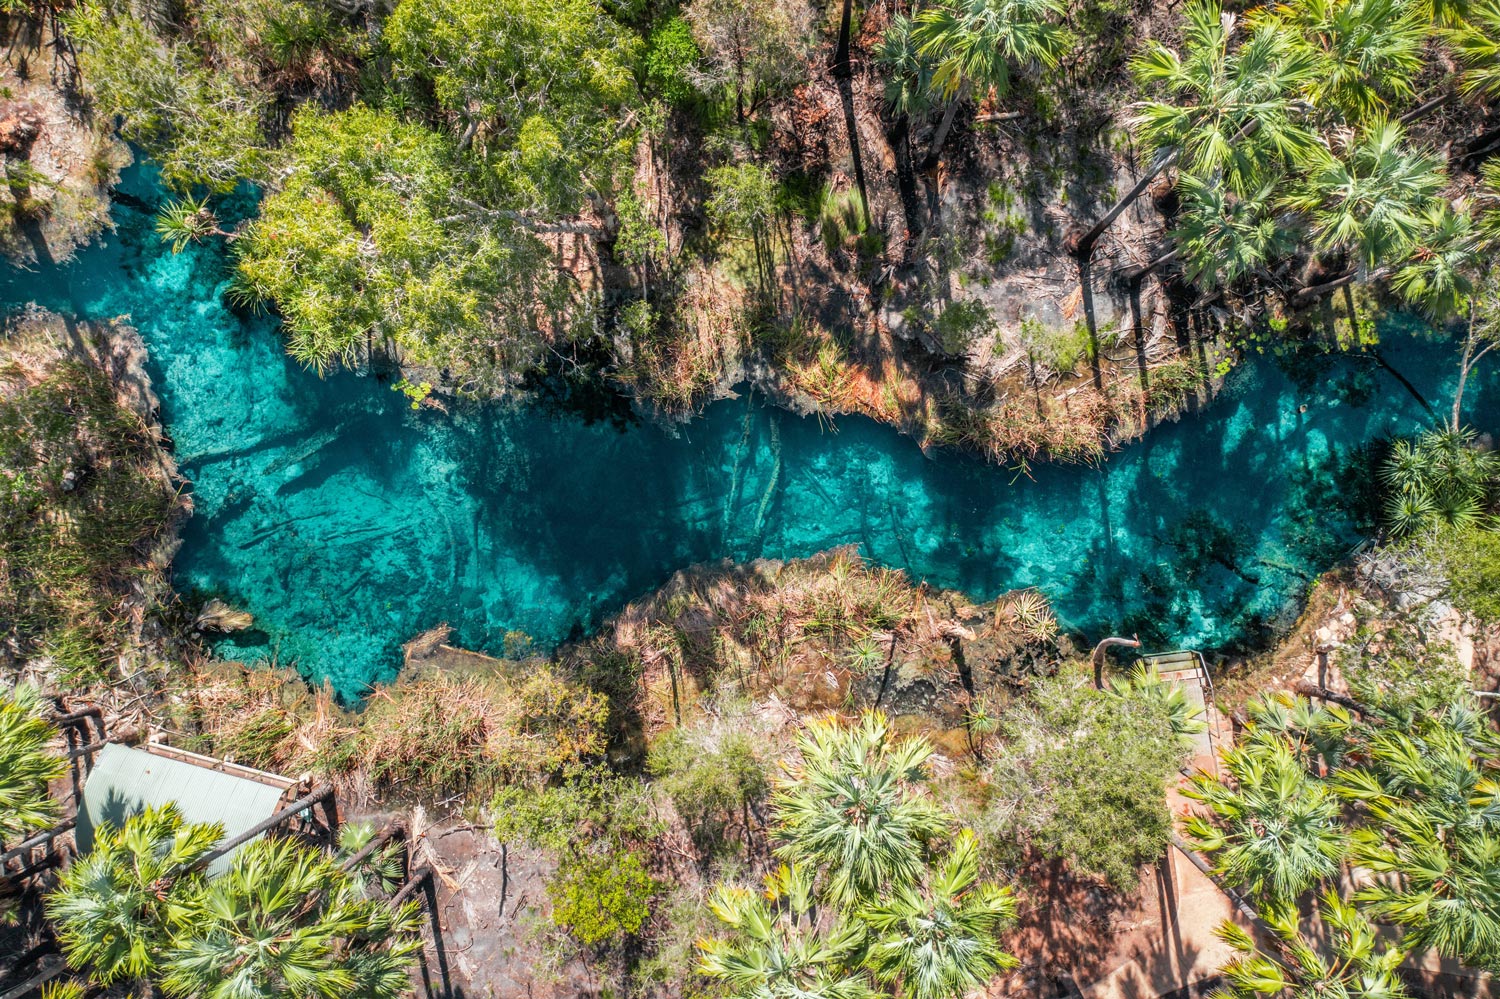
[(1086, 284), (1353, 314), (1085, 247), (941, 136), (1309, 689), (840, 65)]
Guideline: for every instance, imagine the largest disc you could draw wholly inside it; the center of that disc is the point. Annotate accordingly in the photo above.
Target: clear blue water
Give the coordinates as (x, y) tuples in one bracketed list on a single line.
[(347, 523)]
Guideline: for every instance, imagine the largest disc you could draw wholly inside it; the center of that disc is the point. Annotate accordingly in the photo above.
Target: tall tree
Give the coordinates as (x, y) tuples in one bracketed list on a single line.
[(754, 47), (1272, 828), (940, 941), (1223, 236), (118, 909), (285, 921), (1367, 52), (1340, 959), (849, 805), (979, 45)]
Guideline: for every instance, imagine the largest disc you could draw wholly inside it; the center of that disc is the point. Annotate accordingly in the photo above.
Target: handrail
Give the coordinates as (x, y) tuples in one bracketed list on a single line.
[(27, 845)]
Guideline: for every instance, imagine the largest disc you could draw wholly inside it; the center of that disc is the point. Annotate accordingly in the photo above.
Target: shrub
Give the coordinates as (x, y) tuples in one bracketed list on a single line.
[(712, 783), (437, 735), (600, 899), (671, 57), (1082, 776), (1470, 558), (26, 765)]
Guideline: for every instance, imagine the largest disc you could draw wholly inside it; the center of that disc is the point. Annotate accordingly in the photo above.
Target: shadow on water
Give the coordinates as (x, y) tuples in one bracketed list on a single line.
[(348, 522)]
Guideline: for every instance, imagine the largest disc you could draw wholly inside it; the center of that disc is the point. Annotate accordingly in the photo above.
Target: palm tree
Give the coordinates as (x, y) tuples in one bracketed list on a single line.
[(1231, 112), (1367, 52), (1319, 734), (1340, 961), (285, 921), (774, 949), (1434, 808), (116, 909), (1222, 236), (908, 73), (1438, 275), (1231, 116), (973, 44), (1372, 202), (851, 807), (26, 765), (1274, 829), (1476, 44), (941, 942), (188, 221), (1441, 479)]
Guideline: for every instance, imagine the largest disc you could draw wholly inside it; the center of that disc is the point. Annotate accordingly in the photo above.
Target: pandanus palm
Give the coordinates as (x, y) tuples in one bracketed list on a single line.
[(117, 909), (773, 948), (285, 921), (851, 807), (940, 941), (1438, 275), (1342, 961), (1439, 479), (1476, 44), (26, 765), (978, 45), (1367, 52), (1273, 829)]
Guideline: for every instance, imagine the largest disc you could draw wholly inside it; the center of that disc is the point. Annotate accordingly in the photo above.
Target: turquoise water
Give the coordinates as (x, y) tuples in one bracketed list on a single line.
[(348, 523)]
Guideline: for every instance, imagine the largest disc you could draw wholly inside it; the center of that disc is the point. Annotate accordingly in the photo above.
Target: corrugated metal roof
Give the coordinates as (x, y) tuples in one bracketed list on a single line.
[(125, 781)]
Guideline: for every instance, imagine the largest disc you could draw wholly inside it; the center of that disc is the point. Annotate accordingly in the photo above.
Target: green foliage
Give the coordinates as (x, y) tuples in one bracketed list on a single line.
[(81, 502), (639, 242), (369, 235), (1373, 201), (285, 921), (1275, 830), (590, 805), (1434, 832), (1366, 52), (1476, 43), (1217, 89), (1081, 775), (198, 124), (850, 807), (959, 325), (118, 909), (601, 899), (1470, 559), (713, 783), (186, 221), (979, 44), (908, 73), (26, 765), (1440, 480), (842, 215), (1399, 670), (752, 48), (940, 940), (671, 60), (873, 902), (1224, 236), (538, 87), (1340, 958), (741, 200), (1145, 683)]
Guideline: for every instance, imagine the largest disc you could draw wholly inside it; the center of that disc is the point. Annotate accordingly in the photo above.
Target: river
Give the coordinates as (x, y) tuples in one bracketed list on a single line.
[(347, 523)]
